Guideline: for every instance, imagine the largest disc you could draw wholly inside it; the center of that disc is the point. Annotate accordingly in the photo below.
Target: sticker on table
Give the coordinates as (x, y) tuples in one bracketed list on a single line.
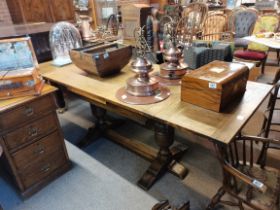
[(212, 85)]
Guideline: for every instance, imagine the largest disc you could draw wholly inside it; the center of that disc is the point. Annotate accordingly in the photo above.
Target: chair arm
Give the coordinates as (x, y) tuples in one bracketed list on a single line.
[(248, 180), (258, 138)]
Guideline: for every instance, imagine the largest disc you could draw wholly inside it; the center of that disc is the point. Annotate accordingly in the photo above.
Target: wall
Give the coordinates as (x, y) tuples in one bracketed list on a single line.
[(5, 17)]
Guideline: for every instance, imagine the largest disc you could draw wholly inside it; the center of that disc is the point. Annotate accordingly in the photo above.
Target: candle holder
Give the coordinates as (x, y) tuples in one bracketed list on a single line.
[(173, 69), (142, 89)]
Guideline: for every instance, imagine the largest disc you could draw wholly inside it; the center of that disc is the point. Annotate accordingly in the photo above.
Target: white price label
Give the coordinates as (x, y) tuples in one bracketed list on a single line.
[(212, 85), (257, 184)]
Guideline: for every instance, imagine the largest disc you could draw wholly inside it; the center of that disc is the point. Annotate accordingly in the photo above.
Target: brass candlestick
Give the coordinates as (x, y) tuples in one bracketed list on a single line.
[(142, 89)]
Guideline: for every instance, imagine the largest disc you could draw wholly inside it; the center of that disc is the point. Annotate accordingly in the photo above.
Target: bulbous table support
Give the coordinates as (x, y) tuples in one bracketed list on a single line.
[(167, 159)]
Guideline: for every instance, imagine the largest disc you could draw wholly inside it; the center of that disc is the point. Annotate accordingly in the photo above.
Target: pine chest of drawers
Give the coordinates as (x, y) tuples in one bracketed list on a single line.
[(33, 144)]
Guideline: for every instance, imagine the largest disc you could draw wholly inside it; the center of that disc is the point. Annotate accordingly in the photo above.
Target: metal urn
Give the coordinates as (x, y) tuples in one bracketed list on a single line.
[(141, 88), (173, 69)]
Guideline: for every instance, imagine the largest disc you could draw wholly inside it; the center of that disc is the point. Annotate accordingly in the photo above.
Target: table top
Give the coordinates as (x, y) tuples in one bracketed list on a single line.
[(10, 103), (269, 42), (221, 127)]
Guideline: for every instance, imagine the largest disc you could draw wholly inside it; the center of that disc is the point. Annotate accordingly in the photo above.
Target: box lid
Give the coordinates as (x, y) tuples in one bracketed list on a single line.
[(215, 74), (17, 58)]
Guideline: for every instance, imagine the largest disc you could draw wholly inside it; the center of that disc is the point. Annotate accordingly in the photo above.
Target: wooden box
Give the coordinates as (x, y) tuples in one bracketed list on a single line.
[(19, 74), (103, 60), (133, 16), (216, 85)]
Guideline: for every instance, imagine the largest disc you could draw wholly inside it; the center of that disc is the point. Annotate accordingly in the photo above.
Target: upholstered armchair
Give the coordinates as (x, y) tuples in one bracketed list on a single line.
[(258, 52), (242, 24)]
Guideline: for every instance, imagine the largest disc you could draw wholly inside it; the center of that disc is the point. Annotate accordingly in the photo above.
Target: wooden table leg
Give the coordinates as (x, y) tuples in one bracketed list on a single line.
[(100, 127), (166, 158), (59, 97)]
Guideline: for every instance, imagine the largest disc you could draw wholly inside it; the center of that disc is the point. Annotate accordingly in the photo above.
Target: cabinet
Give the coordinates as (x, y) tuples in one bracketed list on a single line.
[(28, 11), (133, 16), (33, 144)]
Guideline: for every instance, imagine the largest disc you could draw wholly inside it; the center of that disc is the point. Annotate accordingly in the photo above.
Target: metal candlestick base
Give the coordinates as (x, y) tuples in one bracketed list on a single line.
[(169, 71), (138, 86), (172, 69), (160, 94), (142, 89), (167, 81)]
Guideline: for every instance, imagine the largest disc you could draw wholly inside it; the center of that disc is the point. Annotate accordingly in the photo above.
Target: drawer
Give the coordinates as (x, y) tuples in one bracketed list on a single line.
[(37, 151), (41, 169), (31, 131), (26, 112)]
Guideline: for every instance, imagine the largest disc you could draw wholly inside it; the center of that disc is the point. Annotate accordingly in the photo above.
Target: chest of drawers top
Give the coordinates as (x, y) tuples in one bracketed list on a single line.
[(17, 111)]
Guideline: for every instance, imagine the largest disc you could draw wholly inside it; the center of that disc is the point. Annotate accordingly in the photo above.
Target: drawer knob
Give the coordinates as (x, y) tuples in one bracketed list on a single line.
[(45, 168), (28, 111), (39, 150), (33, 132)]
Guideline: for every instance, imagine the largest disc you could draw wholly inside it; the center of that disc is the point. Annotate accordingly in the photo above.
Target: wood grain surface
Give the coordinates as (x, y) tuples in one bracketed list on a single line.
[(7, 104), (221, 127)]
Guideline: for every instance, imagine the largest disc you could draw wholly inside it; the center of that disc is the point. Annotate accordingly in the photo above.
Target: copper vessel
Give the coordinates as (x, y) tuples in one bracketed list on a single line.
[(142, 84), (142, 89), (85, 27), (172, 68)]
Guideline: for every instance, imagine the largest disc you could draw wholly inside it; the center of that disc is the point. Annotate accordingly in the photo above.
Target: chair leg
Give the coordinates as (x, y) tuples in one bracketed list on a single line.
[(262, 157), (241, 205), (263, 62), (216, 199), (278, 56)]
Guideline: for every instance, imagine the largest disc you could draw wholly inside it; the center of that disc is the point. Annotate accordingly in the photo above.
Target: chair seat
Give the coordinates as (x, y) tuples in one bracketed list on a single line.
[(271, 178), (250, 55), (239, 42)]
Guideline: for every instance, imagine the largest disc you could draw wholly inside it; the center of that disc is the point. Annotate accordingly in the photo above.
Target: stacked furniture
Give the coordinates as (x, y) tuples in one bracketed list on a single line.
[(33, 144)]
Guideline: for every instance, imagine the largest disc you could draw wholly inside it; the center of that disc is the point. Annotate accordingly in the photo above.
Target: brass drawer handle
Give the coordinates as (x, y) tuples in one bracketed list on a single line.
[(29, 111), (45, 168), (33, 132), (39, 150)]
